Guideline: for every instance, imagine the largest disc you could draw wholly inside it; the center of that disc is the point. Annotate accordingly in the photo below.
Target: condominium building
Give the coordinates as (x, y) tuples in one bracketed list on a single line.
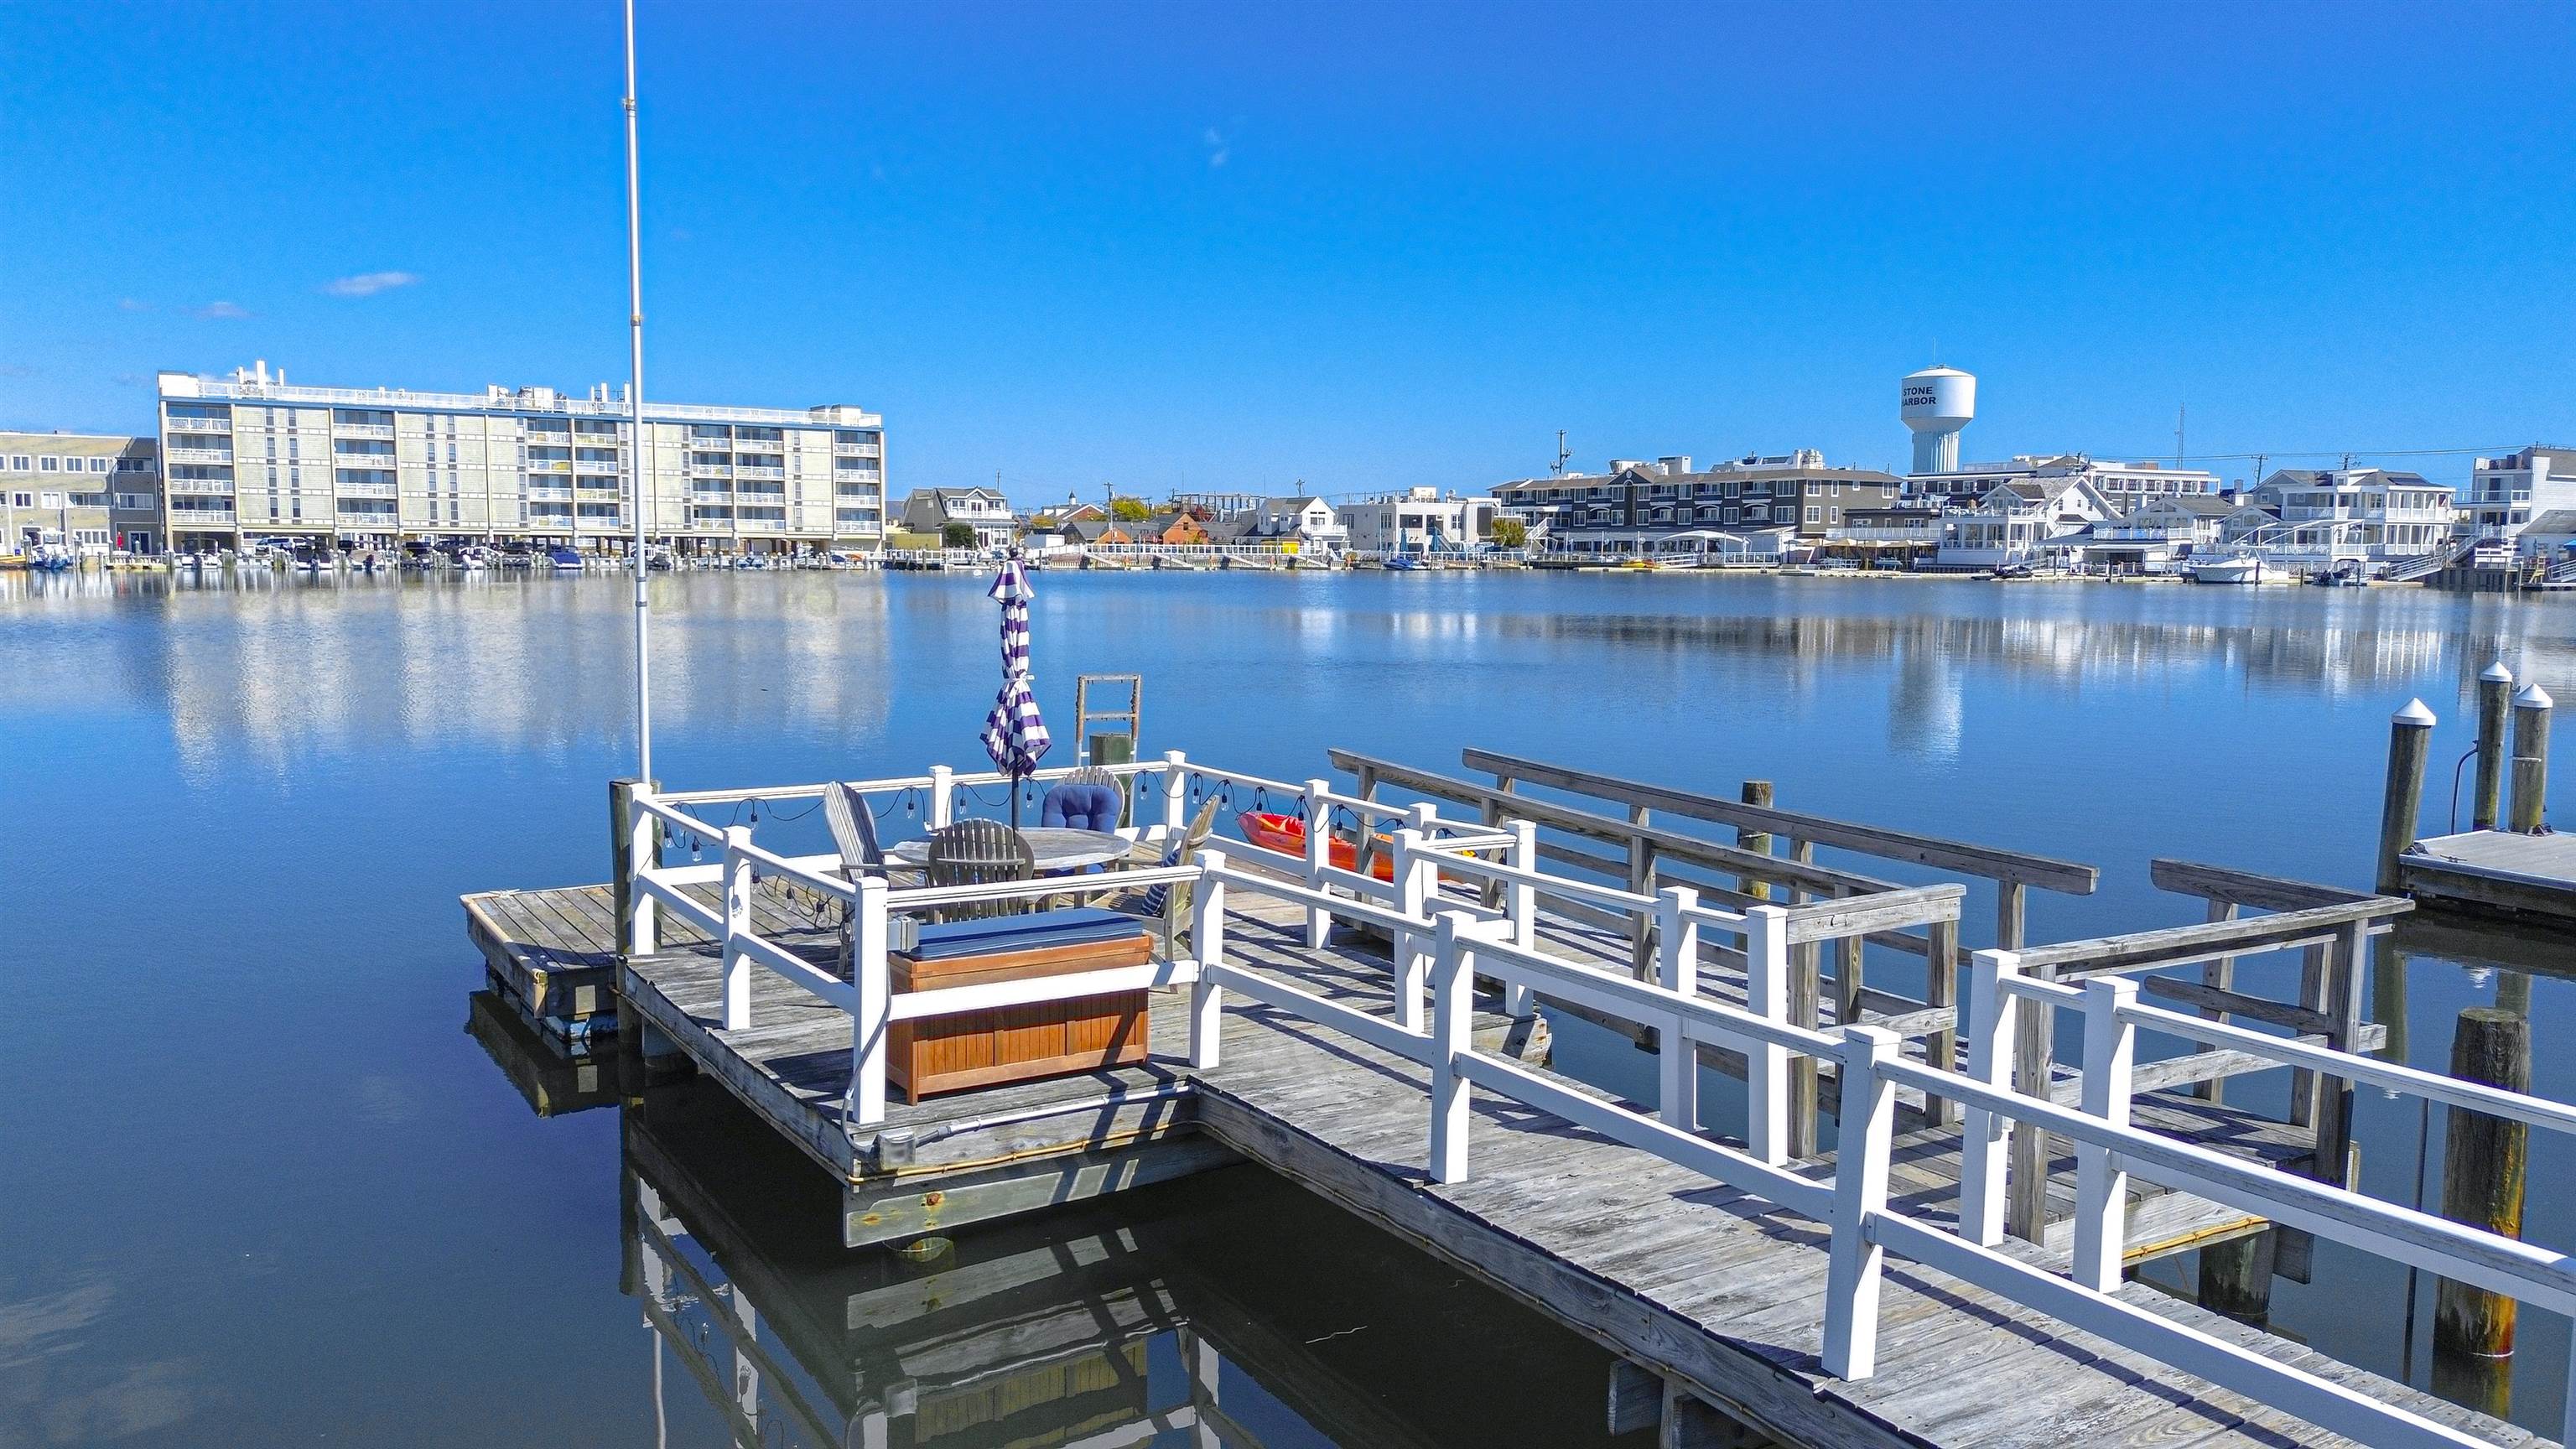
[(91, 492), (250, 457), (2124, 485), (1644, 507)]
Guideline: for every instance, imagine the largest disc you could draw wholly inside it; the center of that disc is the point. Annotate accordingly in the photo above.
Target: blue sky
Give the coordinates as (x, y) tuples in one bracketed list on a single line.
[(1229, 246)]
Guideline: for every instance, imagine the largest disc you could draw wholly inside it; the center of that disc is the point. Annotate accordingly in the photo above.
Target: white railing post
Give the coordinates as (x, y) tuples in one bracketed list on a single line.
[(943, 797), (1319, 854), (2101, 1186), (737, 928), (1176, 792), (1453, 1027), (1207, 947), (1677, 961), (1766, 1064), (1412, 901), (1994, 1024), (1520, 904), (1864, 1129), (872, 1009), (642, 835)]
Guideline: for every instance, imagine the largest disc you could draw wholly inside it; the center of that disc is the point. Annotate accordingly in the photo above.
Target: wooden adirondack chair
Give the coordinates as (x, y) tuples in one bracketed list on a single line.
[(980, 852)]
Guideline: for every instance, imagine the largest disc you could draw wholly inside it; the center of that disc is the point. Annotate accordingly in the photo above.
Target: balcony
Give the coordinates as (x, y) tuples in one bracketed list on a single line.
[(556, 492), (363, 430), (187, 510), (201, 425), (213, 487), (200, 455), (752, 471), (367, 490), (858, 450)]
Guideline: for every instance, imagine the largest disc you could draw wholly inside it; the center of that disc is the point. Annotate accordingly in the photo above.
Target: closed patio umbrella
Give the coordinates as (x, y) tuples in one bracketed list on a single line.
[(1014, 734)]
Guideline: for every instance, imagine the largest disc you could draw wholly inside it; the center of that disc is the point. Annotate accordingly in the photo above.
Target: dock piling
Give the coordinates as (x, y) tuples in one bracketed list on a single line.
[(2482, 1177), (634, 838), (2410, 743), (1755, 792), (2495, 703), (2527, 813)]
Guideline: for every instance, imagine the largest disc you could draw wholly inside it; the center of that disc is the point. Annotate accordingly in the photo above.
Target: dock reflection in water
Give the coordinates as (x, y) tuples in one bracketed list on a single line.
[(1226, 1309)]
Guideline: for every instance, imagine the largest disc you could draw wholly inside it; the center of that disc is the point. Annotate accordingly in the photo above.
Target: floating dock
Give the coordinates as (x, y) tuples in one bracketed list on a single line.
[(1859, 1291), (2532, 876)]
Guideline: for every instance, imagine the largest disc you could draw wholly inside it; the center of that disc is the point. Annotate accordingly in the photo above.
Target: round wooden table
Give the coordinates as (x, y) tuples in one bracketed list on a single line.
[(1056, 848)]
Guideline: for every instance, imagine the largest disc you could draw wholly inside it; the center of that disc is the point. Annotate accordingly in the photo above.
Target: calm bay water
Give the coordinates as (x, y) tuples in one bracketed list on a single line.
[(257, 1185)]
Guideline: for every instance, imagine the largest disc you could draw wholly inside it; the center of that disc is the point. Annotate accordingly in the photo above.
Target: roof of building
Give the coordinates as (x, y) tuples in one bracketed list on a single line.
[(2555, 520), (1650, 476), (2207, 505)]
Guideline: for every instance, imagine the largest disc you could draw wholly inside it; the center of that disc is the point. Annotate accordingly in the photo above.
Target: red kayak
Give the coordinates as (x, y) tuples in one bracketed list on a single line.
[(1287, 835)]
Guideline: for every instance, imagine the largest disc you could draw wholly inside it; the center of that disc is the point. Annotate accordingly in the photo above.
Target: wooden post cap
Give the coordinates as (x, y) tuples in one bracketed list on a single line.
[(2496, 673), (2533, 697), (2416, 714)]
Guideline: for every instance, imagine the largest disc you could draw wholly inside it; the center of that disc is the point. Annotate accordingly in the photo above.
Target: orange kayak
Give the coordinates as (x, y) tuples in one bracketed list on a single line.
[(1287, 835)]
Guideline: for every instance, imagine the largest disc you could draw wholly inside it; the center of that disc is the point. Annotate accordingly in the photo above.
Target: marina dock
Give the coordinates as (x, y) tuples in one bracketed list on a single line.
[(1356, 1035)]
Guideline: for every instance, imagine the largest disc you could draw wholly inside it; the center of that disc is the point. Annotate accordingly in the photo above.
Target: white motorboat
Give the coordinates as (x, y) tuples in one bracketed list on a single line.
[(2237, 568)]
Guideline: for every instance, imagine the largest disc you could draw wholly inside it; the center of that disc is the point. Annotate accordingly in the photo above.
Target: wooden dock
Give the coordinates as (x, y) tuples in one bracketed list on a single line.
[(1717, 1292), (2531, 876)]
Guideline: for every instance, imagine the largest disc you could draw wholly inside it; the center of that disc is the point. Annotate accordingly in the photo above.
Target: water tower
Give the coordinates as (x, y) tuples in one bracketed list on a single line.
[(1937, 403)]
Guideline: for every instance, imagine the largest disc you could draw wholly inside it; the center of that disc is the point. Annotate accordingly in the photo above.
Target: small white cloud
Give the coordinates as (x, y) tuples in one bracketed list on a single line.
[(220, 311), (368, 284), (129, 304), (1217, 150)]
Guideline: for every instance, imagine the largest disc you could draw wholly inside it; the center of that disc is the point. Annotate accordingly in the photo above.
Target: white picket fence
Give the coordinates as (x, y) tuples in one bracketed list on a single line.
[(1445, 941)]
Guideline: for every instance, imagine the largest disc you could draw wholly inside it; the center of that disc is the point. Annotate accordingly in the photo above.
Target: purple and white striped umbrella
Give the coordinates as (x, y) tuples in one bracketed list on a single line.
[(1014, 735)]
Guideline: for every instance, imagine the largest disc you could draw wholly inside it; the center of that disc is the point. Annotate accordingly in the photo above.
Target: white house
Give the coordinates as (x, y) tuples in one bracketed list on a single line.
[(2158, 534), (2030, 521), (1419, 520), (1309, 521), (931, 510), (2508, 494), (2319, 517)]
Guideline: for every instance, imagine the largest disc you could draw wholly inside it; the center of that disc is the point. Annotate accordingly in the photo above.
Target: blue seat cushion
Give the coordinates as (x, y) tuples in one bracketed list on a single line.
[(1035, 930), (1080, 806)]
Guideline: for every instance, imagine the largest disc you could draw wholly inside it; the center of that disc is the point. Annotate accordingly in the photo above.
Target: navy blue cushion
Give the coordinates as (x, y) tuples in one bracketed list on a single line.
[(1081, 806), (995, 935)]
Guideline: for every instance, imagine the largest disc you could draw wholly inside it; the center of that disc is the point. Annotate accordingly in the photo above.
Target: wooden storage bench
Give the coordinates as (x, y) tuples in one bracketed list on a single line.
[(1018, 1043)]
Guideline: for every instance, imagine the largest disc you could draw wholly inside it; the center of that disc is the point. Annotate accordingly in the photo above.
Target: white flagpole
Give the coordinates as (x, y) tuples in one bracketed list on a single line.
[(635, 446)]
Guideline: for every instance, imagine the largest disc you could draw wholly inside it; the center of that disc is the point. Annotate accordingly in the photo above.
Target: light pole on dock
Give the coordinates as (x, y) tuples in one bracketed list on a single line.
[(635, 478)]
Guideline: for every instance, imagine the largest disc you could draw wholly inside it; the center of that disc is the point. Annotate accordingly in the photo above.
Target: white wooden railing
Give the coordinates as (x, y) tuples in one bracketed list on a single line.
[(871, 905), (1854, 1201), (1445, 940)]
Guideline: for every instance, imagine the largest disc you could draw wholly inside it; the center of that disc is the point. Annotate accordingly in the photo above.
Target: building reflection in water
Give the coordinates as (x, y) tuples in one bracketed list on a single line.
[(278, 669)]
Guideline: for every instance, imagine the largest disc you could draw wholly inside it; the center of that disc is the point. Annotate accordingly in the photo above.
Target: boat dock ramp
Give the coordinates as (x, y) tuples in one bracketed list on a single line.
[(1898, 1212)]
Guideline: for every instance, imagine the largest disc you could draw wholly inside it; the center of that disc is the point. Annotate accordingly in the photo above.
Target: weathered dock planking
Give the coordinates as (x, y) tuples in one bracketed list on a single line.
[(1718, 1291), (2530, 876), (984, 1148), (989, 1152), (1952, 1277)]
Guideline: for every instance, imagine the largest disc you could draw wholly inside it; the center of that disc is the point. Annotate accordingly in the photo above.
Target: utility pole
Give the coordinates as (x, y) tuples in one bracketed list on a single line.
[(1561, 454), (2182, 417)]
